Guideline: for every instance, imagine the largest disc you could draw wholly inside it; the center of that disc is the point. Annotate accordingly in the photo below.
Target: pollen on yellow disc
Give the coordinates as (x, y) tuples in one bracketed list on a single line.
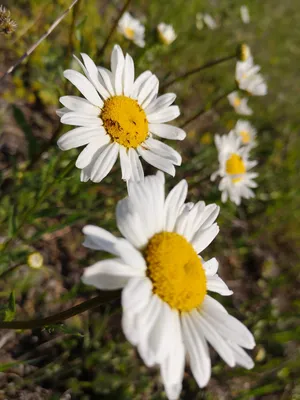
[(245, 136), (129, 32), (176, 271), (235, 166), (237, 102), (125, 121)]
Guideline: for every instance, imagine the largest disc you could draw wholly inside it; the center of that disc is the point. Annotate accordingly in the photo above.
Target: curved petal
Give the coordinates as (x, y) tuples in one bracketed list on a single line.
[(167, 131), (164, 115), (105, 162), (79, 104), (157, 161), (163, 150), (174, 203), (109, 274), (84, 86)]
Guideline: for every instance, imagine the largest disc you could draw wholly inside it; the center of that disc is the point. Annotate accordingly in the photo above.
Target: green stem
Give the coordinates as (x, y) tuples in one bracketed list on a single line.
[(113, 28), (45, 193), (204, 110), (54, 319), (198, 69)]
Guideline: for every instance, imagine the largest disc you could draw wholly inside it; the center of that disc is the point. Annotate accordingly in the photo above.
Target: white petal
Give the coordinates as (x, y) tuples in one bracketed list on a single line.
[(157, 161), (99, 239), (73, 118), (218, 343), (197, 350), (105, 162), (147, 88), (117, 67), (83, 106), (165, 115), (62, 111), (93, 74), (163, 150), (78, 137), (211, 267), (160, 102), (173, 204), (167, 131), (216, 284), (138, 83), (84, 86), (228, 326), (203, 238), (172, 368), (130, 225), (85, 157), (109, 274), (128, 77), (125, 163), (241, 357), (130, 255), (136, 295), (107, 79), (137, 172), (129, 325)]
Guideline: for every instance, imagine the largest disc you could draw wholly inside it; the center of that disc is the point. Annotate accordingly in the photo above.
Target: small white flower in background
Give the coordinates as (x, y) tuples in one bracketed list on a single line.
[(206, 19), (209, 21), (166, 33), (167, 312), (35, 260), (240, 104), (132, 29), (246, 132), (234, 166), (244, 11), (199, 21), (244, 52), (119, 116), (248, 78)]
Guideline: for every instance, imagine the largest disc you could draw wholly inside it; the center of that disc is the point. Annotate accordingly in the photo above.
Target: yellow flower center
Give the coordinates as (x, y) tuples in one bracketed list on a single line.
[(245, 136), (125, 121), (245, 52), (235, 166), (129, 32), (237, 102), (176, 271)]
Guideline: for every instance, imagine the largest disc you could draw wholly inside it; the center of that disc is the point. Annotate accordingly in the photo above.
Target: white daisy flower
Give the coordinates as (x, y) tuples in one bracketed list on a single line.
[(236, 180), (132, 29), (167, 312), (240, 104), (118, 116), (248, 78), (209, 21), (245, 16), (166, 33), (246, 132)]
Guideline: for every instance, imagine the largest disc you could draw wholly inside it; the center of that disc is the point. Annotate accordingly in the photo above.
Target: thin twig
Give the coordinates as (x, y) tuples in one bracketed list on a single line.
[(54, 319), (204, 110), (34, 46), (113, 28), (198, 69)]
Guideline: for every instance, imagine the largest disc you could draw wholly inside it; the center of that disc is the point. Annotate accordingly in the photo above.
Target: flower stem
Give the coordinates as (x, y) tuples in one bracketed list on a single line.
[(71, 312), (198, 69), (204, 110), (113, 28)]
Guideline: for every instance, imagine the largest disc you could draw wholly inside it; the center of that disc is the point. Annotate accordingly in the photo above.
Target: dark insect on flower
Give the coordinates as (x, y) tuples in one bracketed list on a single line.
[(7, 25)]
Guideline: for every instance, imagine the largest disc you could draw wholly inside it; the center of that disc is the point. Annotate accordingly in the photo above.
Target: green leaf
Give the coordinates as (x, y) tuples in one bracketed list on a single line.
[(11, 309), (54, 328), (23, 124), (8, 311)]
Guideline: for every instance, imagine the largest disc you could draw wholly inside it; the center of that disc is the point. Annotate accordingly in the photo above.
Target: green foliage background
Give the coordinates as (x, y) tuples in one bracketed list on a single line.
[(258, 246)]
